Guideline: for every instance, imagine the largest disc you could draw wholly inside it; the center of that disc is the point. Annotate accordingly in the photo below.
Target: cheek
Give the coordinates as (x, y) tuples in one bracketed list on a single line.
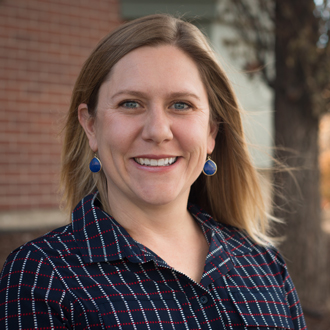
[(116, 134), (194, 134), (105, 132)]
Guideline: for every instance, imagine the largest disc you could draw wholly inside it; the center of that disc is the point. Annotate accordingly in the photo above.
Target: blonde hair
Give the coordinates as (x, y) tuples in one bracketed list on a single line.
[(232, 196)]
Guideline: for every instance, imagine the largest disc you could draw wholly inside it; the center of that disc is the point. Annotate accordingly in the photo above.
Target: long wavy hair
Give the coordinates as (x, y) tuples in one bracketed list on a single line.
[(233, 195)]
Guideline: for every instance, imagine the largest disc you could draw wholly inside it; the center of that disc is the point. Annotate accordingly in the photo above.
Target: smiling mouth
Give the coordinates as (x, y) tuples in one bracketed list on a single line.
[(156, 162)]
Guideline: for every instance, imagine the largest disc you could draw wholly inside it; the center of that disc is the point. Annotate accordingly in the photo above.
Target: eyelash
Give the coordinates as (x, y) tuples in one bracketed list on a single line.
[(186, 105), (122, 104)]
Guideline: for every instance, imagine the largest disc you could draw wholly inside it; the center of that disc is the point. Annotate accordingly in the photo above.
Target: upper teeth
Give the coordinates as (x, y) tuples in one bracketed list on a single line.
[(155, 162)]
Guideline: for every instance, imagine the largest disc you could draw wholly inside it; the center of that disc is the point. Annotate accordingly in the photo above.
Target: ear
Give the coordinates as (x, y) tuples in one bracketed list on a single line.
[(88, 124), (211, 138)]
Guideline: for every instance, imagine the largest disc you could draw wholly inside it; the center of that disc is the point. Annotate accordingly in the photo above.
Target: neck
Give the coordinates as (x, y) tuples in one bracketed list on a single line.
[(168, 230), (145, 222)]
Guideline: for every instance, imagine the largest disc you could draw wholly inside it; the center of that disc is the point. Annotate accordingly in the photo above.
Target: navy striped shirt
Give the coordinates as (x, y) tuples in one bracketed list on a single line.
[(91, 274)]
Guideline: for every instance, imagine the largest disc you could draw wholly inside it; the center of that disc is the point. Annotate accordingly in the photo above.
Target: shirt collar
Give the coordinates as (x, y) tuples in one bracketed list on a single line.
[(101, 238), (226, 243)]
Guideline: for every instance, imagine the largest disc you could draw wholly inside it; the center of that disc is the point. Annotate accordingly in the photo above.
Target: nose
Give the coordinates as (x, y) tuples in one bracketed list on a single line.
[(157, 125)]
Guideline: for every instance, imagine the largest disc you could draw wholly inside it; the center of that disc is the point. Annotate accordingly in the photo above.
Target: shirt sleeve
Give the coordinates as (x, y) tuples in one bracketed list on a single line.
[(31, 294), (292, 299)]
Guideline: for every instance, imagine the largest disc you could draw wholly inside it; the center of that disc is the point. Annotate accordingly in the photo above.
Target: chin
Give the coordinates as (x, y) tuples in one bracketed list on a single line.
[(160, 199)]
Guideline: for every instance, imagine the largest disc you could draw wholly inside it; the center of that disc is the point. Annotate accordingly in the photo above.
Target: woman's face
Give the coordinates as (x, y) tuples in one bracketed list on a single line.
[(152, 130)]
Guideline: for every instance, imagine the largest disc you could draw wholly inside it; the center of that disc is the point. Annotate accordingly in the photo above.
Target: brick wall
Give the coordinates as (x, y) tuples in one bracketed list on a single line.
[(43, 44)]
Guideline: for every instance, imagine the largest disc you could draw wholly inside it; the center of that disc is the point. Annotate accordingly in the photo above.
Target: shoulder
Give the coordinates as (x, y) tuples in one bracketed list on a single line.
[(38, 255), (33, 282), (247, 252), (234, 238), (248, 256), (239, 242)]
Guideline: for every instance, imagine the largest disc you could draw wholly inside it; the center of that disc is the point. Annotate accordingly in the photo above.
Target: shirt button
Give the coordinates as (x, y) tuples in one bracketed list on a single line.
[(203, 300)]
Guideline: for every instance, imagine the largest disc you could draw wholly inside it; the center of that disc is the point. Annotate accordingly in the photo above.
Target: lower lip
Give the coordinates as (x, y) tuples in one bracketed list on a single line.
[(157, 169)]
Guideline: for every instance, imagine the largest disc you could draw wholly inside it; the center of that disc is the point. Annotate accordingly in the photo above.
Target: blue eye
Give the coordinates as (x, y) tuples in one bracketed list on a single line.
[(181, 106), (130, 104)]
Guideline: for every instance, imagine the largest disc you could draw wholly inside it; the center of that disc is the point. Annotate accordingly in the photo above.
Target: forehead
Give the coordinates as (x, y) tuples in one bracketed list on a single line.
[(161, 65)]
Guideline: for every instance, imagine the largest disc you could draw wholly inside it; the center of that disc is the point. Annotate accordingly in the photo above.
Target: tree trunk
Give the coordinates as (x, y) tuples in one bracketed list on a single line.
[(296, 128)]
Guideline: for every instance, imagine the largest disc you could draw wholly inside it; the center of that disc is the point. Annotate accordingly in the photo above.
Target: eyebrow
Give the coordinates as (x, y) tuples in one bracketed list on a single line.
[(143, 95)]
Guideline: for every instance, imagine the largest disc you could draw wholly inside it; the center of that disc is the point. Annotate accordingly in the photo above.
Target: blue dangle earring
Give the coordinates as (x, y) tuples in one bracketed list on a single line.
[(95, 165), (210, 167)]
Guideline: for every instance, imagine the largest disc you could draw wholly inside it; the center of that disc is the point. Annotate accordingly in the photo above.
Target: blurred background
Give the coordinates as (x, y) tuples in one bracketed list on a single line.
[(277, 58)]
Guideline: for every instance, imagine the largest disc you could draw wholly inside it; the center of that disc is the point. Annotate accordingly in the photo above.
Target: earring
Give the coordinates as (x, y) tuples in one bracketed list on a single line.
[(210, 167), (95, 165)]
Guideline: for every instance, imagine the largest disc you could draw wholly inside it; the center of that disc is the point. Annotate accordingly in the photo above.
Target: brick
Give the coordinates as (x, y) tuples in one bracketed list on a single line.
[(43, 44)]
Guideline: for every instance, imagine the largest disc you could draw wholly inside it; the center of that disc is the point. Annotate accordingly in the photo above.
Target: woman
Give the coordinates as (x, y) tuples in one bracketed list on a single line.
[(150, 107)]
